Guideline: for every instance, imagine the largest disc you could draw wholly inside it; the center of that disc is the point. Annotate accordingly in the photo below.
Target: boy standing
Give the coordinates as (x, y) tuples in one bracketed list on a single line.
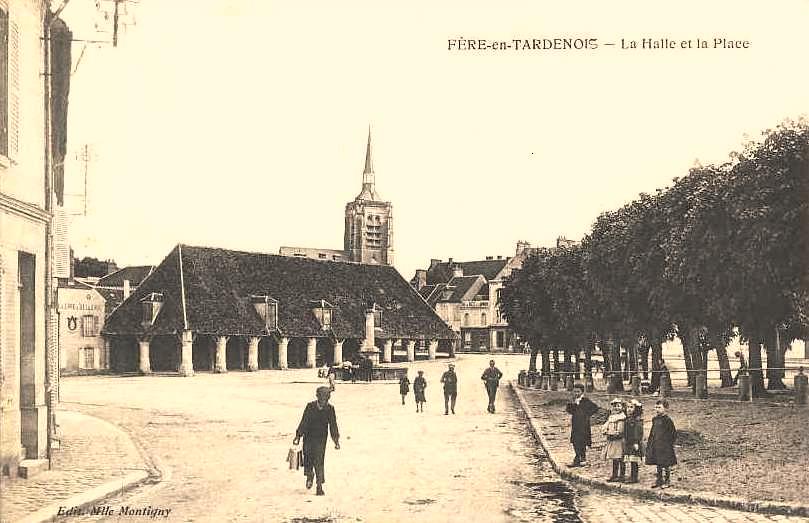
[(450, 381), (660, 447), (580, 410)]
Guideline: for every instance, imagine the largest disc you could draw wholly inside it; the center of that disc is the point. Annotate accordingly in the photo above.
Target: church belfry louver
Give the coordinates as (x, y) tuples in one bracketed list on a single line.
[(369, 221)]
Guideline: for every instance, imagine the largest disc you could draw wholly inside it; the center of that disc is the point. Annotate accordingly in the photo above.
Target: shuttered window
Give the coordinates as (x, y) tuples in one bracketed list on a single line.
[(89, 326), (9, 85)]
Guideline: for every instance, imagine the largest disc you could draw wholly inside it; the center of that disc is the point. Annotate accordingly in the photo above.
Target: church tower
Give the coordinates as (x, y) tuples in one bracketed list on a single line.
[(369, 221)]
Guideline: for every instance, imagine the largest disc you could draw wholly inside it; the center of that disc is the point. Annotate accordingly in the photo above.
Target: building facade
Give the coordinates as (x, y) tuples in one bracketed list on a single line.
[(31, 189), (466, 295), (218, 310), (368, 236), (81, 313)]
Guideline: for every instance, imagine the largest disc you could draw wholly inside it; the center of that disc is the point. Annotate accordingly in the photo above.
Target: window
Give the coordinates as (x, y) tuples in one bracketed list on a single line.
[(377, 317), (89, 326), (483, 319), (467, 339), (4, 63), (267, 309), (151, 304), (9, 86), (87, 358), (501, 339), (323, 312), (321, 256), (466, 319)]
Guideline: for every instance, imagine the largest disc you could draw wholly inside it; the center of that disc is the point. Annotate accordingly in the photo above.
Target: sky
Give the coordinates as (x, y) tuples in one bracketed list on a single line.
[(242, 124)]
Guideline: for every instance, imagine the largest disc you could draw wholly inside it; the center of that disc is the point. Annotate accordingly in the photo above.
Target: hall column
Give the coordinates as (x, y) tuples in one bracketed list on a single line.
[(432, 349), (186, 353), (410, 349), (282, 353), (311, 352), (338, 352), (252, 353), (144, 365), (221, 363), (387, 351)]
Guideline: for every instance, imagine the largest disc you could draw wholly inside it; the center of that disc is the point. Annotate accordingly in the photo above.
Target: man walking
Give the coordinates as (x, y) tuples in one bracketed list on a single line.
[(318, 420), (580, 410), (491, 378), (450, 381)]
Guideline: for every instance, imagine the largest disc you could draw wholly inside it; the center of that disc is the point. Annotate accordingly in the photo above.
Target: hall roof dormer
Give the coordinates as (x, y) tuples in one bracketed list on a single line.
[(368, 191)]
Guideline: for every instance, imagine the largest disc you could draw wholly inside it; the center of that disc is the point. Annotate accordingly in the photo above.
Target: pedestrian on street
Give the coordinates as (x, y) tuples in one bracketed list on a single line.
[(633, 438), (419, 384), (404, 386), (491, 378), (614, 449), (660, 447), (743, 369), (450, 381), (319, 419), (580, 410), (332, 375)]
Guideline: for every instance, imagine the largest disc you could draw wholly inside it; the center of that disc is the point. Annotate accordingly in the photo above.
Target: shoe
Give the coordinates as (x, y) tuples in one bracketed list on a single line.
[(584, 464), (446, 413), (319, 491), (574, 464), (665, 485), (453, 411), (309, 482)]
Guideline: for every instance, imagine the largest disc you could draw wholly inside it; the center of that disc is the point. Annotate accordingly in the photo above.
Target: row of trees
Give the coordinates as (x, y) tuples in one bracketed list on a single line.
[(725, 250)]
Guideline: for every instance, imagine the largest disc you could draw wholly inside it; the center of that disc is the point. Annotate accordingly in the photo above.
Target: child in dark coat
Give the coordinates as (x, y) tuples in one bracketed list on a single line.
[(633, 438), (404, 387), (660, 447), (580, 410)]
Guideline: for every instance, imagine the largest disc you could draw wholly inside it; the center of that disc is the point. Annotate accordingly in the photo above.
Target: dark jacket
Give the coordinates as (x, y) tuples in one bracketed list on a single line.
[(316, 424), (633, 435), (580, 434), (450, 381), (491, 376), (404, 385), (660, 447)]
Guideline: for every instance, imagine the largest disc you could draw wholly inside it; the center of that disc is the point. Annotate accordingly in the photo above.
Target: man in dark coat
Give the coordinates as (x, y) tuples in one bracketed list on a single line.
[(580, 410), (450, 381), (491, 378), (660, 445), (319, 419)]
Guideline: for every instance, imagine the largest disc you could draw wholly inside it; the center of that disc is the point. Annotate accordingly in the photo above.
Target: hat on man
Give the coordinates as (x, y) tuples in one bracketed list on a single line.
[(616, 401)]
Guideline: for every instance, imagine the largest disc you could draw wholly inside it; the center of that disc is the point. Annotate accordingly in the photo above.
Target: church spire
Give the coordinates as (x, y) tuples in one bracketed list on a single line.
[(368, 184)]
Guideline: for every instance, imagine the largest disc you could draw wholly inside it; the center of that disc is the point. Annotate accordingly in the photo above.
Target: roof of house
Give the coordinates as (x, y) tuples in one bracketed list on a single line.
[(462, 288), (135, 274), (214, 297), (442, 272), (113, 297)]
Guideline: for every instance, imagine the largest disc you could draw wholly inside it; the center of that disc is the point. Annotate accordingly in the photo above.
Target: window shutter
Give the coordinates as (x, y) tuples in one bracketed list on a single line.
[(13, 90)]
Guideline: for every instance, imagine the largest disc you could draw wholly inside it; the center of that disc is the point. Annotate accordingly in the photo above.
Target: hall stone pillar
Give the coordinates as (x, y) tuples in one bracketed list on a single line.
[(282, 353), (186, 353), (311, 352), (144, 365), (410, 349), (432, 349), (252, 353), (338, 352), (387, 351), (221, 362)]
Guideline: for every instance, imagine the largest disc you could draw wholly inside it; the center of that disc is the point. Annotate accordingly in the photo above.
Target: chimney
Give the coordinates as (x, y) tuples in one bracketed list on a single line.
[(489, 257), (434, 262), (521, 246), (499, 257), (126, 289), (457, 270), (421, 278)]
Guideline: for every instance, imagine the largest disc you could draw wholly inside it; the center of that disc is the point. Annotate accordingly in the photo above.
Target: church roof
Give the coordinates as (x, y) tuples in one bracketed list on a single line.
[(211, 296), (368, 191)]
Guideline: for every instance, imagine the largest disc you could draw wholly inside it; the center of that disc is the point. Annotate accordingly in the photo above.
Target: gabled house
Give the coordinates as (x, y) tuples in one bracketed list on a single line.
[(118, 285), (215, 309)]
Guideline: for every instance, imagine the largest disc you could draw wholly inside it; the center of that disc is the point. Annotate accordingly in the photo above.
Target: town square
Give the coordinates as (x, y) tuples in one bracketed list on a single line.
[(358, 262)]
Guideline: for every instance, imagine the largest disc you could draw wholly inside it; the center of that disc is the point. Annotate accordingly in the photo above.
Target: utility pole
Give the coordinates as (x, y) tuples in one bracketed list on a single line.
[(115, 25)]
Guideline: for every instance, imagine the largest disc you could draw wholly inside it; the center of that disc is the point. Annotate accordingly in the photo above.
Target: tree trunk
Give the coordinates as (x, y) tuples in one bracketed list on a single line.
[(568, 362), (774, 381), (615, 364), (756, 375), (724, 367), (577, 368), (588, 361), (546, 362), (644, 360), (532, 360), (657, 354), (689, 364), (556, 368)]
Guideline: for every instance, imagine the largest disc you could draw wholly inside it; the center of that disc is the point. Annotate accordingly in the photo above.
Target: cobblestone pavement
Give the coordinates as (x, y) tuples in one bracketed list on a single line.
[(221, 440), (93, 452)]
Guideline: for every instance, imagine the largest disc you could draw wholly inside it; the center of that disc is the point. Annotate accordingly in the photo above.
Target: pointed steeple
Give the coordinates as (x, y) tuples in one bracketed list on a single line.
[(368, 189)]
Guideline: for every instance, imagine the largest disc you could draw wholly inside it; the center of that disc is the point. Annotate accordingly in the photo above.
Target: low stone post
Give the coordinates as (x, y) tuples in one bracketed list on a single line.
[(338, 352), (410, 349), (665, 385), (745, 388), (701, 385), (387, 351), (801, 382)]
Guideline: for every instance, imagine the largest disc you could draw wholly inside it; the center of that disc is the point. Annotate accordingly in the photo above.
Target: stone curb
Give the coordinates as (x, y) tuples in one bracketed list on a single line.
[(105, 490), (702, 498)]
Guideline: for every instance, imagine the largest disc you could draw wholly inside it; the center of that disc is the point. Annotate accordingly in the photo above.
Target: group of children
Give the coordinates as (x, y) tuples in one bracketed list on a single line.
[(624, 432)]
